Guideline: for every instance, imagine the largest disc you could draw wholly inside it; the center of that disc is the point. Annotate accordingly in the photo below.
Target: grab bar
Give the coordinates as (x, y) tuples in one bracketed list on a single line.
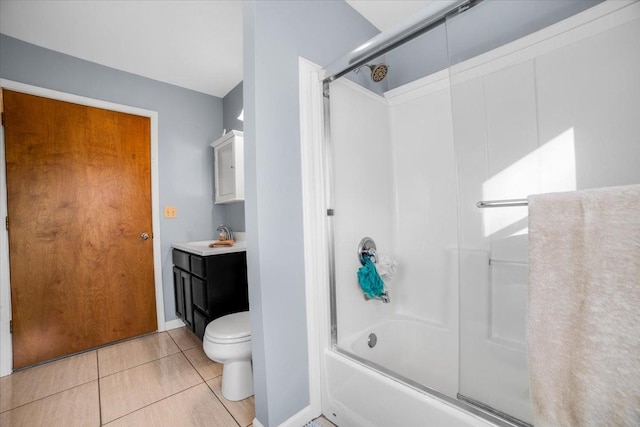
[(502, 203)]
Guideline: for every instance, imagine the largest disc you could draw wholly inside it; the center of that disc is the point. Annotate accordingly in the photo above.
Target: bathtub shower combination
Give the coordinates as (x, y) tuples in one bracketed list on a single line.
[(432, 157)]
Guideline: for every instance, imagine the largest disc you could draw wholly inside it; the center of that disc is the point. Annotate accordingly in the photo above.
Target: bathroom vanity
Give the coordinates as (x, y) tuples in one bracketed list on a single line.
[(208, 282)]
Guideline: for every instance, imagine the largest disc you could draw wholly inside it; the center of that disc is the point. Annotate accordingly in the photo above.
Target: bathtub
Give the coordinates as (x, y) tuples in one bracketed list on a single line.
[(362, 391), (413, 349)]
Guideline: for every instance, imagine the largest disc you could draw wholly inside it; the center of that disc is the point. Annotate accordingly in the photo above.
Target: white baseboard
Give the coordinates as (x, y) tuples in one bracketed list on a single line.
[(257, 423), (173, 324)]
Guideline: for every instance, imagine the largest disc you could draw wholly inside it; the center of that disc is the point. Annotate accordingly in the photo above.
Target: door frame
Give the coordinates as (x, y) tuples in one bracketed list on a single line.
[(6, 345)]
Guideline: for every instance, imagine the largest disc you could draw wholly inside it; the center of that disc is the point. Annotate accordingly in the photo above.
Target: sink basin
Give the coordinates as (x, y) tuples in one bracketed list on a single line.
[(202, 247)]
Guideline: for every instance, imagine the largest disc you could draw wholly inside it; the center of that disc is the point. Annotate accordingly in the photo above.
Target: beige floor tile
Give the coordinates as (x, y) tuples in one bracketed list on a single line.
[(243, 410), (184, 338), (207, 368), (324, 422), (77, 406), (194, 407), (119, 357), (135, 388), (44, 380)]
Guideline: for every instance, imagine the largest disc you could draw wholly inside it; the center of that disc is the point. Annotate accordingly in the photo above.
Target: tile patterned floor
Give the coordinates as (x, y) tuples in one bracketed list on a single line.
[(162, 379), (323, 422)]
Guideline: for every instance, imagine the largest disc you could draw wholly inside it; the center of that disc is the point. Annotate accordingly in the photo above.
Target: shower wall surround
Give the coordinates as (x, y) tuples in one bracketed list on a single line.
[(394, 175), (363, 194)]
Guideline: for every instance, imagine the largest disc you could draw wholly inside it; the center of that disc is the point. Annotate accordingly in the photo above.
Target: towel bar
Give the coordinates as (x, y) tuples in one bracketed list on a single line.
[(509, 263), (502, 203)]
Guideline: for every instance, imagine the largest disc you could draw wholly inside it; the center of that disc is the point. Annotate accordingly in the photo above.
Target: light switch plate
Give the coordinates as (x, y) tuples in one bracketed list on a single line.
[(170, 212)]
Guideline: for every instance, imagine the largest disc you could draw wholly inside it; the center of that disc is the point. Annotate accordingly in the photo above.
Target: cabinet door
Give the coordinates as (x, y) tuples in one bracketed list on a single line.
[(226, 181), (185, 280), (227, 290), (199, 324), (178, 290), (199, 294)]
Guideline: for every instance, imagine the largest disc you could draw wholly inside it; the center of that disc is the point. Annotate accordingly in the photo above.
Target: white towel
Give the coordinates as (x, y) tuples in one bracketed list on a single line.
[(583, 334)]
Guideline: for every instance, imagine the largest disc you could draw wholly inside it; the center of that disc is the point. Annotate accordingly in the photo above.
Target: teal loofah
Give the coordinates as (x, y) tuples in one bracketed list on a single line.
[(370, 280)]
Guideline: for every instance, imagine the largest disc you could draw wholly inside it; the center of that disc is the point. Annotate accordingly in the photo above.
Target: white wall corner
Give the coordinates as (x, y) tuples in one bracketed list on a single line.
[(313, 202)]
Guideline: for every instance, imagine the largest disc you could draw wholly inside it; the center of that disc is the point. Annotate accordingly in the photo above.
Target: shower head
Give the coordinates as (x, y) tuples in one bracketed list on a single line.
[(378, 72)]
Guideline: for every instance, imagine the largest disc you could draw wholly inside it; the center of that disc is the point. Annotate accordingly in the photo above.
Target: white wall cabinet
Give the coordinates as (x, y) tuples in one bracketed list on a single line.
[(229, 167)]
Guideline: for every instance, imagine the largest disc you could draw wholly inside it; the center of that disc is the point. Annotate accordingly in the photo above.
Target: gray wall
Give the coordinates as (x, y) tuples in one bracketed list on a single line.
[(232, 105), (188, 122), (419, 57), (486, 26), (275, 34), (493, 23)]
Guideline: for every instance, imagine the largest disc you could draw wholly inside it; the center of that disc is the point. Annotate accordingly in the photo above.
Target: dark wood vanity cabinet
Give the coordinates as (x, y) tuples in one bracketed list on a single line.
[(208, 287)]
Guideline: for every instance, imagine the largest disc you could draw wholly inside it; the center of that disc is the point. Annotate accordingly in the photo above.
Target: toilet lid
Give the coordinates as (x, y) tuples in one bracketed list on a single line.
[(232, 327)]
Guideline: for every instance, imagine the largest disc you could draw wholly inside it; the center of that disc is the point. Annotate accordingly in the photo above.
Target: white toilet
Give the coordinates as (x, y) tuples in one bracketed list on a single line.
[(227, 340)]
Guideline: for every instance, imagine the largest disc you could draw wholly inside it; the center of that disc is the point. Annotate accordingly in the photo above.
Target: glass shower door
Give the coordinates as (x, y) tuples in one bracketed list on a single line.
[(495, 130), (538, 115), (394, 180), (497, 143), (495, 127)]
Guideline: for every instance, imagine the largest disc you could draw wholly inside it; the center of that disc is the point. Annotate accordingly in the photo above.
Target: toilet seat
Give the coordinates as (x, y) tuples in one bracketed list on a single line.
[(229, 329)]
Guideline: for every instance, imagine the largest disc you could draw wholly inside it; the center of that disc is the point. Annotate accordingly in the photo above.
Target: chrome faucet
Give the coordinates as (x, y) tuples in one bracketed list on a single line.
[(228, 234), (385, 297)]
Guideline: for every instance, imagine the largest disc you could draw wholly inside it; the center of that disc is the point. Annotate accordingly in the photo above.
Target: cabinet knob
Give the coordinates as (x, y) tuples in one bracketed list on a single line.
[(144, 236)]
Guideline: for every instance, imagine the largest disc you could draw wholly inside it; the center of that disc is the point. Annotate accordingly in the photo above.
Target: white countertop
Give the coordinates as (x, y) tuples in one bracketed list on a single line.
[(202, 247)]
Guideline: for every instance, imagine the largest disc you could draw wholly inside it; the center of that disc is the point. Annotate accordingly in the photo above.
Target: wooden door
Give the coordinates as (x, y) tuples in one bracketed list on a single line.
[(79, 199)]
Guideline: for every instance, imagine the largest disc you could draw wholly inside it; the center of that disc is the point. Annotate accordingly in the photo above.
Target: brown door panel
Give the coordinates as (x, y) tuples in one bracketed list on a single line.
[(78, 192)]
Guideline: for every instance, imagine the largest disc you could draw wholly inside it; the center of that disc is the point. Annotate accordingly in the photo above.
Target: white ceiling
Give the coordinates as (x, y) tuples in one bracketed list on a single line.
[(191, 44)]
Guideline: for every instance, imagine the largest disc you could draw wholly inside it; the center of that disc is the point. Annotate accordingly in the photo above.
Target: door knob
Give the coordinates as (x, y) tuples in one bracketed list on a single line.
[(144, 236)]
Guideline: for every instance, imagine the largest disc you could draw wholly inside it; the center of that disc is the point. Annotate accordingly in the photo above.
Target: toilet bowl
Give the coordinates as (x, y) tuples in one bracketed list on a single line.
[(227, 340)]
